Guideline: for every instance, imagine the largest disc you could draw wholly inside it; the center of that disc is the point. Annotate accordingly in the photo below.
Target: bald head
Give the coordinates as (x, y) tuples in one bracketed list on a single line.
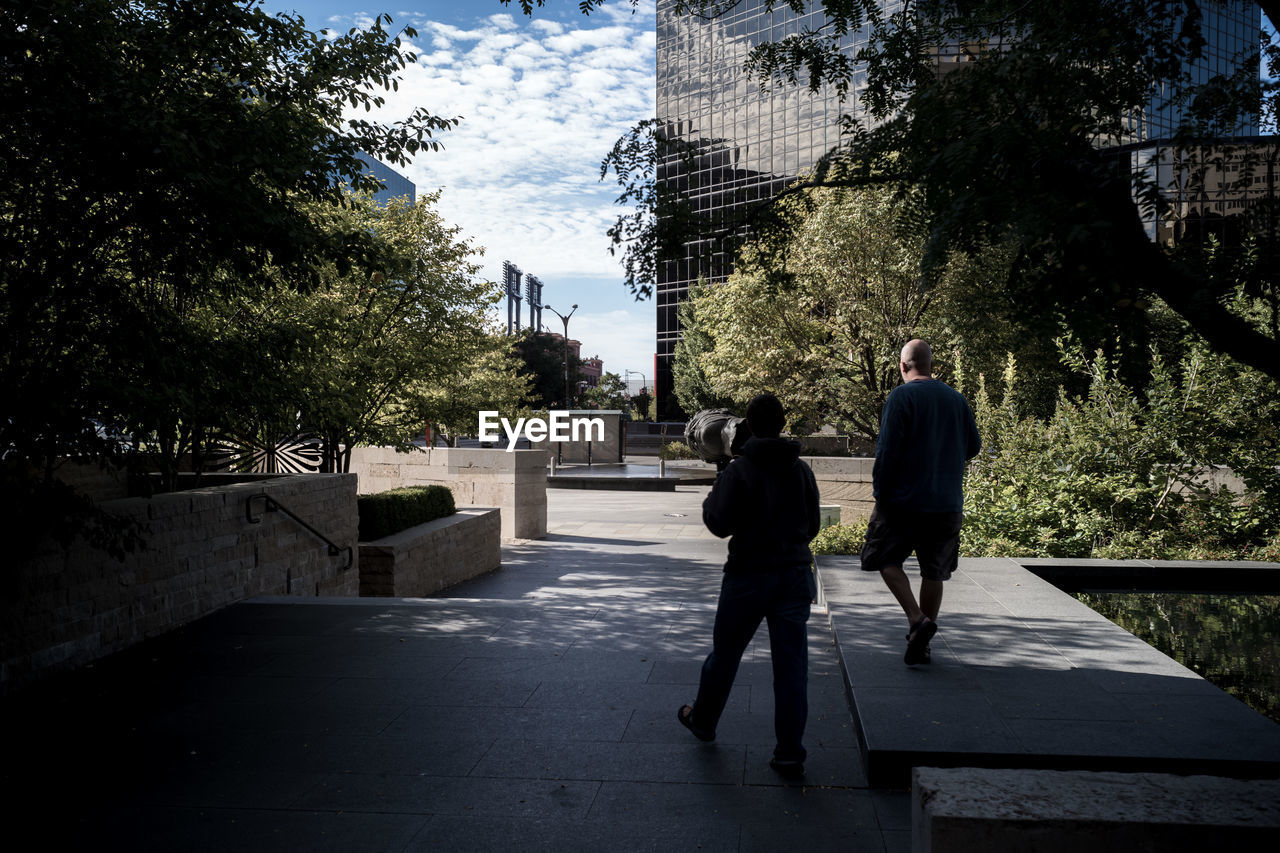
[(916, 360)]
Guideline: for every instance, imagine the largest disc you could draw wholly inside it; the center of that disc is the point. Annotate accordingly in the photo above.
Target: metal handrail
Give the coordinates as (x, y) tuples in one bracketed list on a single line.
[(270, 504)]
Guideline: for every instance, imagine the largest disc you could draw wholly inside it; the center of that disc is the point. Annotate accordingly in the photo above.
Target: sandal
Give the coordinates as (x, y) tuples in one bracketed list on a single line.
[(685, 716), (918, 650)]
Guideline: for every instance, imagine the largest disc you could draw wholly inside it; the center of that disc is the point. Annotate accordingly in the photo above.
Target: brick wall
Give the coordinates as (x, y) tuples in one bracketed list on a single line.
[(514, 482), (66, 607), (425, 559)]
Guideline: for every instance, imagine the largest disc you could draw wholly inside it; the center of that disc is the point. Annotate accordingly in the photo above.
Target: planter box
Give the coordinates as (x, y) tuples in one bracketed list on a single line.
[(516, 482), (425, 559)]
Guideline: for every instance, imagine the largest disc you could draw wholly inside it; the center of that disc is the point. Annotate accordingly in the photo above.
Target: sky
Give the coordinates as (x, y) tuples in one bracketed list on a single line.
[(542, 100)]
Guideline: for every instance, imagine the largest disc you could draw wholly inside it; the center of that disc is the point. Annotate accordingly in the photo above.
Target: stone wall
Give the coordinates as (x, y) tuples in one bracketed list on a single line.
[(845, 481), (66, 607), (515, 482), (427, 558), (972, 810), (96, 482)]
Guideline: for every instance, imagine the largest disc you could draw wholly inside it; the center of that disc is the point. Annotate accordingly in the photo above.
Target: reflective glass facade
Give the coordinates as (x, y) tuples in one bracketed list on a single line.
[(1223, 188), (395, 184), (749, 143), (1231, 29)]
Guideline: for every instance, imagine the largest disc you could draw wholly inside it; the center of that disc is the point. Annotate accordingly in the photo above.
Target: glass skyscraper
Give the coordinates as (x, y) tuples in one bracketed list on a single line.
[(747, 144)]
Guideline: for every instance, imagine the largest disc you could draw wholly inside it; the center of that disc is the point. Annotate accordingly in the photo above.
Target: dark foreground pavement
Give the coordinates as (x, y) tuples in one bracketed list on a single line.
[(533, 709)]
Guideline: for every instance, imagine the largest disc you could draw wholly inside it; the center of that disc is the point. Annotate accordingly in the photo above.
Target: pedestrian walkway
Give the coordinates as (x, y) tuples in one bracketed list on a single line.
[(532, 709)]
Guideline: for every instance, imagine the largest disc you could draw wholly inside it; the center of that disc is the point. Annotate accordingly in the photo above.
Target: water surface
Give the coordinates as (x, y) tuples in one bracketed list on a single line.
[(1232, 641)]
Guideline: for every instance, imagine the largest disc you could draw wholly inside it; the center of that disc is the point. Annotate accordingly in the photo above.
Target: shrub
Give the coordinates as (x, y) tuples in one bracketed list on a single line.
[(840, 538), (1117, 474), (399, 509), (676, 450)]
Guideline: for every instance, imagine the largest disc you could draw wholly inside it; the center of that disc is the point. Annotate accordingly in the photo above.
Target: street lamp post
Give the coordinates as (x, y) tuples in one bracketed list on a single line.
[(643, 381), (564, 318)]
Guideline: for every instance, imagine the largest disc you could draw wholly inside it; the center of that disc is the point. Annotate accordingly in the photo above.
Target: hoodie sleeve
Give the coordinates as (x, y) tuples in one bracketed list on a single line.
[(812, 503), (720, 509)]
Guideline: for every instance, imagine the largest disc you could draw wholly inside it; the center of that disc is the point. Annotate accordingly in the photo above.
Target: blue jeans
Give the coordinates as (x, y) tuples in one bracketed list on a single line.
[(782, 598)]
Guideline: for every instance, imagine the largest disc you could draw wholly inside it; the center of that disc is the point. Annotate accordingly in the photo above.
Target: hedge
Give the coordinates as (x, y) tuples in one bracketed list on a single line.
[(399, 509)]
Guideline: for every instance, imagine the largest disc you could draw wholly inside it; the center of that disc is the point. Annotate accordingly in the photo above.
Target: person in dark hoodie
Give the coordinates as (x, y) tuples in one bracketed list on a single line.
[(766, 500)]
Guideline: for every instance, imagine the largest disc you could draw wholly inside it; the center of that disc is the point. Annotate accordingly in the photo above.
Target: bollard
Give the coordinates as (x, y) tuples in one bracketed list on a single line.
[(662, 467), (553, 466)]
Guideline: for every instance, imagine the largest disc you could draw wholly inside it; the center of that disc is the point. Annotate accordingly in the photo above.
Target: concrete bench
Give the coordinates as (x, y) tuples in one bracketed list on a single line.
[(969, 809)]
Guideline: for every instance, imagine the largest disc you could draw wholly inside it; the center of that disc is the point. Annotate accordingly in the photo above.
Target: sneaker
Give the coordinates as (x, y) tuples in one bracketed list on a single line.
[(787, 768)]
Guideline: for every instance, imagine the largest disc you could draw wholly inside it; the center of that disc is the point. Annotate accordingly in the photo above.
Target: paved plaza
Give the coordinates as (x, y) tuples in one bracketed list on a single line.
[(532, 709)]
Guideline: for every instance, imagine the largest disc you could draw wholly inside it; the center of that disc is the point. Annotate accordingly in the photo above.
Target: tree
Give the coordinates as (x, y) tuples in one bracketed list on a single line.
[(1004, 150), (692, 387), (156, 158), (609, 394), (387, 341), (543, 355), (494, 381), (642, 402), (820, 323)]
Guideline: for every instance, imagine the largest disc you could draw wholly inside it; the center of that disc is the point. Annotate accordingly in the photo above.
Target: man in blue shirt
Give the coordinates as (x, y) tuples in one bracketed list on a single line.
[(927, 434)]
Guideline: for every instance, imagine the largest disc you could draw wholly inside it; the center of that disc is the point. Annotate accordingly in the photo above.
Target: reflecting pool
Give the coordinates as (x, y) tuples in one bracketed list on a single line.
[(1233, 641)]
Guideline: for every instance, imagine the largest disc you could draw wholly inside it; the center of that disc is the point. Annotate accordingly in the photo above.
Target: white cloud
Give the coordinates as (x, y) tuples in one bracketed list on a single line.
[(615, 336), (542, 102)]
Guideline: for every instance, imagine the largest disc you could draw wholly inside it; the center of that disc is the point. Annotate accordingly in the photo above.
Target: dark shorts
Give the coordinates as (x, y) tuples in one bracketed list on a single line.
[(893, 534)]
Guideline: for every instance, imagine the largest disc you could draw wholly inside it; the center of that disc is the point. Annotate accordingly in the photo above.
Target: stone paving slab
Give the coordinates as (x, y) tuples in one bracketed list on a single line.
[(1024, 675), (533, 708)]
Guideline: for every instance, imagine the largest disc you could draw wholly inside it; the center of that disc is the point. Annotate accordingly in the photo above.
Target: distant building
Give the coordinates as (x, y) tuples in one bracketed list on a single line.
[(589, 369), (592, 369), (395, 185)]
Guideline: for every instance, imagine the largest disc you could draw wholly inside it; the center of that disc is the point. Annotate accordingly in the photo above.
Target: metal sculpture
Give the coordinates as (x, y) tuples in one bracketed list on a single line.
[(716, 435)]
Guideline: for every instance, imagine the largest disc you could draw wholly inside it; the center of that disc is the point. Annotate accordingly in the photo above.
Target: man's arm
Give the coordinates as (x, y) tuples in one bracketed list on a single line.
[(888, 446), (973, 440)]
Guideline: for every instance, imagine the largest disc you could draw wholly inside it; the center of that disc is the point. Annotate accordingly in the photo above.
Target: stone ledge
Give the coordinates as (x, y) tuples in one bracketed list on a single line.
[(73, 604), (515, 482), (1082, 575), (1024, 676), (970, 809)]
